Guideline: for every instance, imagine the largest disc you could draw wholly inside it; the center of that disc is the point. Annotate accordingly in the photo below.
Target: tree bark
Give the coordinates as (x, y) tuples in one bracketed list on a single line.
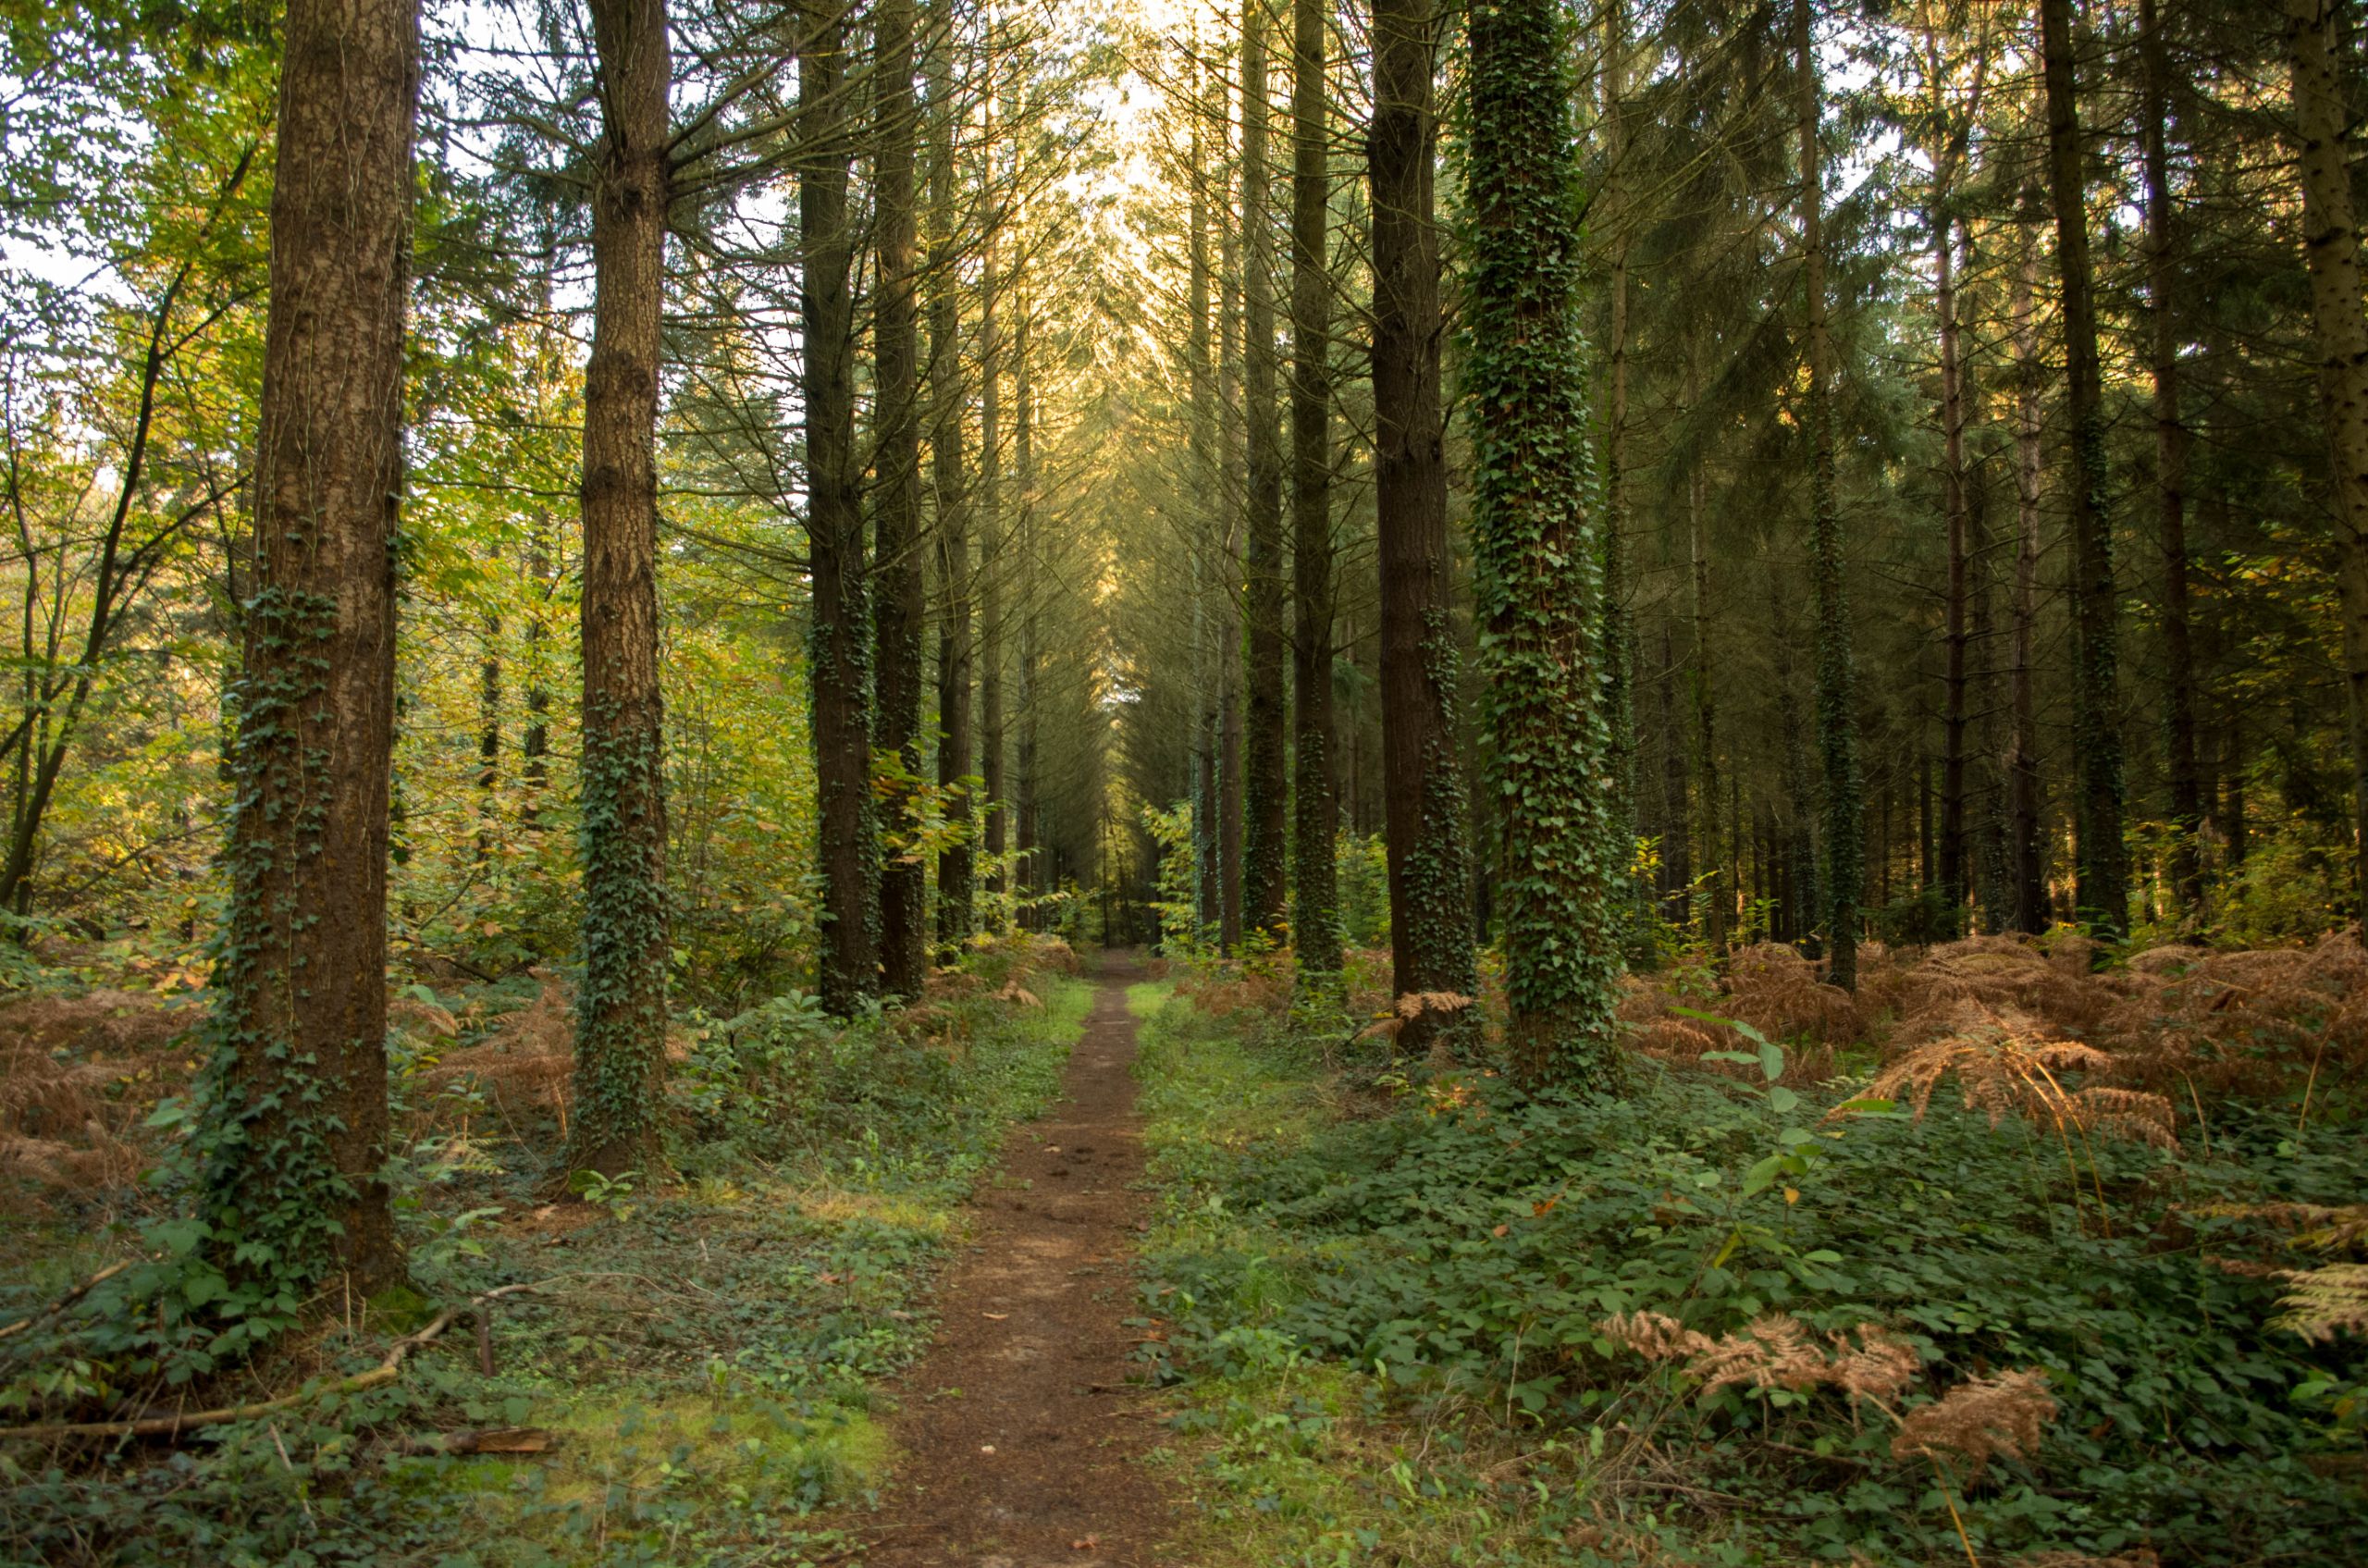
[(1315, 915), (839, 637), (2331, 247), (1844, 874), (620, 1004), (2170, 465), (957, 912), (1232, 490), (994, 549), (1036, 877), (1716, 899), (488, 732), (294, 1110), (1954, 723), (2025, 858), (1208, 884), (2103, 869), (1619, 658), (1677, 817), (1265, 783), (1423, 804), (900, 601), (1537, 558), (534, 740)]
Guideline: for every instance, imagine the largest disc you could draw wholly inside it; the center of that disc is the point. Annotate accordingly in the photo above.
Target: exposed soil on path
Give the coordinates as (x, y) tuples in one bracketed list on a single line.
[(1031, 1463)]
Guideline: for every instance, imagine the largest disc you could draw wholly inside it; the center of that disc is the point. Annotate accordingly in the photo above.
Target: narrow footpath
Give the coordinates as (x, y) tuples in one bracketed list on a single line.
[(1018, 1433)]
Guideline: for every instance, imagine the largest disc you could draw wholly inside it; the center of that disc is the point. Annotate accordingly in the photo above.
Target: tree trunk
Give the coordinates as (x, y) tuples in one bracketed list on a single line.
[(1619, 661), (1208, 885), (900, 603), (839, 639), (1954, 722), (294, 1129), (1265, 786), (957, 914), (1845, 869), (535, 741), (1677, 817), (621, 1005), (2102, 872), (2170, 465), (1715, 898), (1315, 915), (2331, 243), (1537, 558), (994, 551), (1799, 871), (2024, 858), (488, 734), (1706, 719), (1036, 877), (1232, 489)]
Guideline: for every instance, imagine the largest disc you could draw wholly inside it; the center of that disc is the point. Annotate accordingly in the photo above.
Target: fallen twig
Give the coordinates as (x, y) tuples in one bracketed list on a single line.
[(493, 1440), (67, 1299), (377, 1376)]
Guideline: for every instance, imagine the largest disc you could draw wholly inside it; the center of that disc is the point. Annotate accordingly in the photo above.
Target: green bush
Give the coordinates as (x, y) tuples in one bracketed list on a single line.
[(1468, 1243)]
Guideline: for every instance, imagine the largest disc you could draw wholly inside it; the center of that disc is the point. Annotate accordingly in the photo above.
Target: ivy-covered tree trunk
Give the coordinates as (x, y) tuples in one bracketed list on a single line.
[(2331, 249), (1537, 556), (621, 1005), (1423, 802), (839, 639), (1842, 875), (1266, 843), (957, 912), (1315, 922), (900, 603), (294, 1125), (2102, 872)]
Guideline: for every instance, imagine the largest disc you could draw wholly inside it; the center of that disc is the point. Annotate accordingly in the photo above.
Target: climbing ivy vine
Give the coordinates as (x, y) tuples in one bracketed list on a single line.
[(1538, 562)]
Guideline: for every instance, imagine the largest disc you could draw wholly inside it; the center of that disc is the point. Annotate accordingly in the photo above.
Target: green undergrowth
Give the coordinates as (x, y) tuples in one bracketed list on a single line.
[(1380, 1295), (695, 1370)]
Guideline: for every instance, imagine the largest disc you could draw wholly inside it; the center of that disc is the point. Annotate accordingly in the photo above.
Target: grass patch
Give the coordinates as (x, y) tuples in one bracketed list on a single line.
[(1386, 1323), (703, 1355)]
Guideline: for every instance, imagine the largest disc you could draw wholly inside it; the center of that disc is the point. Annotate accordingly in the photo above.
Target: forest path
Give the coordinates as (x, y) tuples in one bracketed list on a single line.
[(1018, 1433)]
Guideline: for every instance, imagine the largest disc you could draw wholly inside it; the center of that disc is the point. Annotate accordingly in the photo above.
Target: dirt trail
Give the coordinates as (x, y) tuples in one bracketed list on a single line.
[(1031, 1464)]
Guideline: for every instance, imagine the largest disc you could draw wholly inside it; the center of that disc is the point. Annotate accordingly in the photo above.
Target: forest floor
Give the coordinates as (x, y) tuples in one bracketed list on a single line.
[(1020, 1434), (1141, 1272)]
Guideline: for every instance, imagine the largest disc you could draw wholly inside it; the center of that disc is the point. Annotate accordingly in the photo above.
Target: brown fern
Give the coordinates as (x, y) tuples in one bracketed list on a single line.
[(2325, 1302), (1980, 1418)]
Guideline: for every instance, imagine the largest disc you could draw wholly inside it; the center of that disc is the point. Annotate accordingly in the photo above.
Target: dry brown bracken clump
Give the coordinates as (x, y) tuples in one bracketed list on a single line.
[(1980, 1417)]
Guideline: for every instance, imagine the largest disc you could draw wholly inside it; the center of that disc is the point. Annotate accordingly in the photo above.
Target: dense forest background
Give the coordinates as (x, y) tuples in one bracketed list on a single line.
[(1109, 504)]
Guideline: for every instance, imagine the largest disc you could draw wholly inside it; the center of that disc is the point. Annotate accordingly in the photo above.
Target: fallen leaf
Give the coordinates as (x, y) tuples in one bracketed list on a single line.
[(1085, 1543), (998, 1316), (986, 1448)]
